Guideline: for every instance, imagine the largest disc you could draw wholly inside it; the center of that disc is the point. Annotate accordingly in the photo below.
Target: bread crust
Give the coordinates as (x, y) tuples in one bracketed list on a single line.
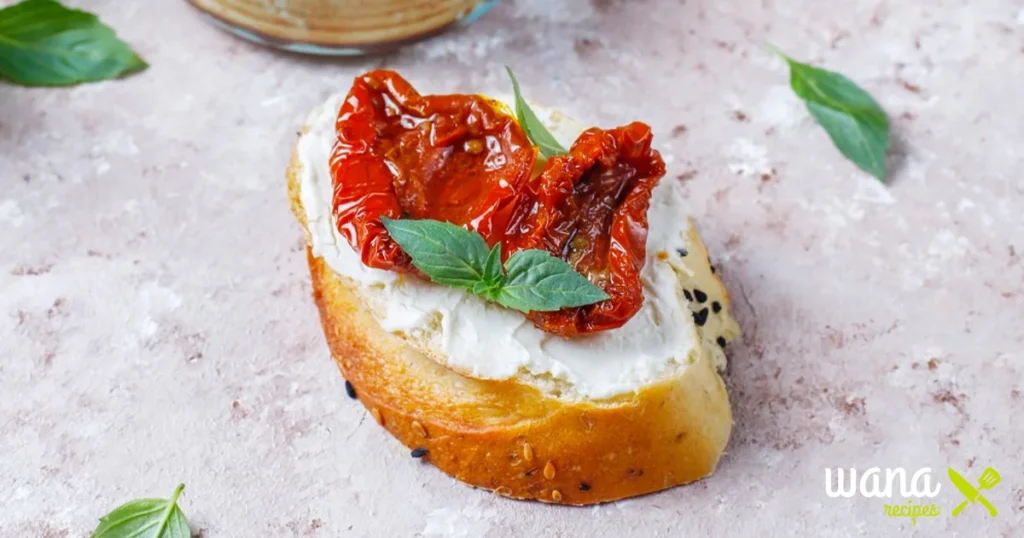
[(509, 437)]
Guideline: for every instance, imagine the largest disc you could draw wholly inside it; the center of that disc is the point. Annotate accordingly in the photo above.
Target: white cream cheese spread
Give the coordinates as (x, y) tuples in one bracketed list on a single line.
[(485, 340)]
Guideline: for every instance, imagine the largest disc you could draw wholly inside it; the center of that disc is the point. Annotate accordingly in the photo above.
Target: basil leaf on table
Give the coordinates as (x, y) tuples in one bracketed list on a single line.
[(43, 43), (852, 118), (538, 281), (457, 257), (534, 128), (145, 518)]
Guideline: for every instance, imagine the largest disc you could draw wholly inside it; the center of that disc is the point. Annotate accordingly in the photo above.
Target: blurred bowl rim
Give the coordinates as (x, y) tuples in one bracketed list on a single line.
[(320, 48)]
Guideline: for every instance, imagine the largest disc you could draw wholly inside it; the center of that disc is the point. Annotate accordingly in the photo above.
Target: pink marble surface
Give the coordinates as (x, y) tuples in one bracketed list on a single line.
[(156, 324)]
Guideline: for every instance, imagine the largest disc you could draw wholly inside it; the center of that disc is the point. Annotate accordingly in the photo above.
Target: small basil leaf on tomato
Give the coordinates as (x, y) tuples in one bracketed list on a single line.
[(492, 266), (534, 128)]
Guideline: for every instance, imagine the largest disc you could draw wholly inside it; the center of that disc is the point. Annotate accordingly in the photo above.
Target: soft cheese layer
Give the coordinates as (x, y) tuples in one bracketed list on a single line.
[(485, 340)]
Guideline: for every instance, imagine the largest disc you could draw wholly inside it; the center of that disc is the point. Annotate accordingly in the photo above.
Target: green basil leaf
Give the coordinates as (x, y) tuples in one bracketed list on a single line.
[(538, 281), (43, 43), (534, 128), (145, 518), (459, 258), (853, 119), (492, 266), (493, 275), (448, 254), (487, 290)]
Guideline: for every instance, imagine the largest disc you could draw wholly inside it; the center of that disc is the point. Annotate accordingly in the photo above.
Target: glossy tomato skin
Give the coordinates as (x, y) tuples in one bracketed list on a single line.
[(589, 208), (455, 158), (462, 159)]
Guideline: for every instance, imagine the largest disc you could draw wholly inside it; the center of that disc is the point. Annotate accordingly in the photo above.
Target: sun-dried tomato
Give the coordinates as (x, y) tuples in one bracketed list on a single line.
[(462, 159), (455, 158), (589, 208)]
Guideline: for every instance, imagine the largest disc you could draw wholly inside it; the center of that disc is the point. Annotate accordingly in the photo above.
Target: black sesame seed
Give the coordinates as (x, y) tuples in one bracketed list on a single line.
[(712, 269), (418, 452), (350, 390), (721, 342), (686, 293), (700, 295), (701, 317), (716, 307), (584, 486)]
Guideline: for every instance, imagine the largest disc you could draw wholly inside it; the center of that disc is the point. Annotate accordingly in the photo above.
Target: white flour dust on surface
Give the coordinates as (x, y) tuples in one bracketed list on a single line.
[(748, 159), (467, 521), (11, 214)]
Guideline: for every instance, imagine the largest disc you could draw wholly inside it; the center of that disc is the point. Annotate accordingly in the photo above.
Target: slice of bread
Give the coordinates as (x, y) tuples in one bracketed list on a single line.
[(533, 436)]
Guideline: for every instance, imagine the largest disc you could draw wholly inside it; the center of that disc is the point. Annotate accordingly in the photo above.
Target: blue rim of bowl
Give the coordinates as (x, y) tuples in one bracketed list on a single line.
[(334, 50)]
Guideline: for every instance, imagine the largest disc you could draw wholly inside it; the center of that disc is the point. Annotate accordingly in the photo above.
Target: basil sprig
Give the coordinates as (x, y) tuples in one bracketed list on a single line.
[(534, 128), (43, 43), (853, 119), (145, 518), (532, 280)]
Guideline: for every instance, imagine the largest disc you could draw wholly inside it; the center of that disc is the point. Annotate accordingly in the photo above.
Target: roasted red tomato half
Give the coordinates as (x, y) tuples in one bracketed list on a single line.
[(590, 209), (399, 154), (459, 158)]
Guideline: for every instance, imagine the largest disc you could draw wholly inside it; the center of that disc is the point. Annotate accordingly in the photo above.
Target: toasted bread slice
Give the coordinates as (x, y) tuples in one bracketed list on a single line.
[(533, 436)]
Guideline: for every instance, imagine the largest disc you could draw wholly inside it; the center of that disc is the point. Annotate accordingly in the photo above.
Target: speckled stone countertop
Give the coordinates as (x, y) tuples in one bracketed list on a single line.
[(156, 323)]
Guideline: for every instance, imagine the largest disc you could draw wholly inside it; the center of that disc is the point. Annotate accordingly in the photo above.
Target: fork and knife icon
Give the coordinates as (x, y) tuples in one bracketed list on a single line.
[(989, 478)]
